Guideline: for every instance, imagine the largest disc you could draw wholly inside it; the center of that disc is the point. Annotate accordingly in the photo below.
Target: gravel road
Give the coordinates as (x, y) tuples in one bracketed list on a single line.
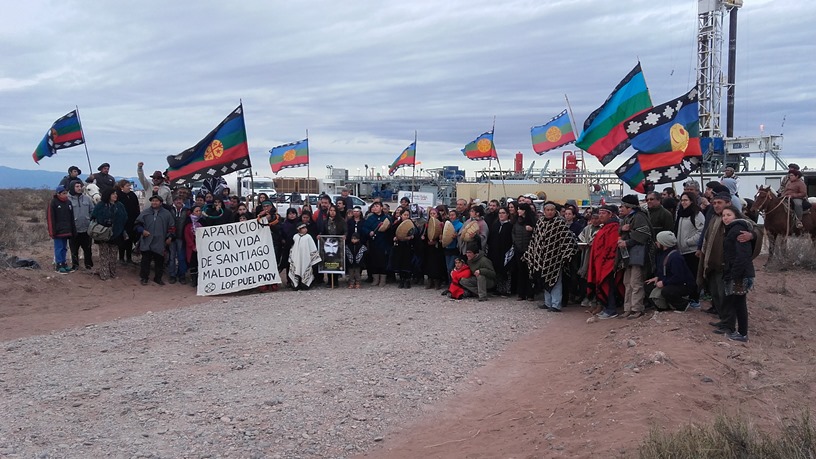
[(282, 375)]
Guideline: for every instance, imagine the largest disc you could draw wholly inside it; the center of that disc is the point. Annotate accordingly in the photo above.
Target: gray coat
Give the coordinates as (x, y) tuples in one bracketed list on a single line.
[(83, 206), (160, 224)]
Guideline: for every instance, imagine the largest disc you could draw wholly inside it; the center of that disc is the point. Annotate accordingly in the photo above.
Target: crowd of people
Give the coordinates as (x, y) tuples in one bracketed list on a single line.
[(664, 253)]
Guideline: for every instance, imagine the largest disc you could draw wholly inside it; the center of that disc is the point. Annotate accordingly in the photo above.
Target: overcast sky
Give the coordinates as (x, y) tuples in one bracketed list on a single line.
[(152, 78)]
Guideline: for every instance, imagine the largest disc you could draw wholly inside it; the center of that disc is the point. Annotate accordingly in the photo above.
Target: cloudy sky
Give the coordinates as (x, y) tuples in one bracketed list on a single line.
[(152, 78)]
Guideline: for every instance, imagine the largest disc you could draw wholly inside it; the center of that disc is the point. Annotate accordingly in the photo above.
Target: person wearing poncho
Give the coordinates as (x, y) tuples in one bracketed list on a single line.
[(552, 246), (603, 274), (302, 257)]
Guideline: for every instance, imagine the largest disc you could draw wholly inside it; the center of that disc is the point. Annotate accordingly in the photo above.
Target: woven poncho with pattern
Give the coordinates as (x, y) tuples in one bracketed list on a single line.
[(552, 246)]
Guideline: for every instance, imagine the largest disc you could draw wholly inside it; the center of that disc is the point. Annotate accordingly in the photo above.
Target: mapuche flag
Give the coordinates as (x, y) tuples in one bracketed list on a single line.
[(556, 133), (293, 154), (222, 151), (66, 132), (481, 148), (406, 158), (604, 136), (667, 140)]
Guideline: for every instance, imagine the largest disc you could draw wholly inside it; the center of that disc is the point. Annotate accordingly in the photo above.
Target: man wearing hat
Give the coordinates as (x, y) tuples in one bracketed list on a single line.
[(73, 174), (791, 167), (61, 227), (635, 250), (673, 279), (796, 190), (156, 185), (710, 252), (104, 180), (603, 276), (157, 229)]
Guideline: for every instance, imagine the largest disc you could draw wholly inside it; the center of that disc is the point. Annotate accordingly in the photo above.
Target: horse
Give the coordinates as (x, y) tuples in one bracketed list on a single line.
[(778, 222)]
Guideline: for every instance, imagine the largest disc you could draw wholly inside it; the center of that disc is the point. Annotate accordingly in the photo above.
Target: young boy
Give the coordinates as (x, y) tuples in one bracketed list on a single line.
[(355, 252)]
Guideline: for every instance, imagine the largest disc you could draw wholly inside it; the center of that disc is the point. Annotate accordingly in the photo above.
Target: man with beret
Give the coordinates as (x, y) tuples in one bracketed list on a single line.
[(157, 229), (156, 185), (636, 252), (660, 218), (103, 179), (673, 280), (73, 175), (603, 276)]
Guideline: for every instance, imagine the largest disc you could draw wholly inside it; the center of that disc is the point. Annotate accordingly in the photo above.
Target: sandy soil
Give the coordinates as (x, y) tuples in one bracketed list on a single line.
[(572, 389)]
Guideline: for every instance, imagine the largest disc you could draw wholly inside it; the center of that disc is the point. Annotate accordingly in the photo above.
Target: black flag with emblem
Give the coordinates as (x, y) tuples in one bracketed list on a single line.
[(224, 150)]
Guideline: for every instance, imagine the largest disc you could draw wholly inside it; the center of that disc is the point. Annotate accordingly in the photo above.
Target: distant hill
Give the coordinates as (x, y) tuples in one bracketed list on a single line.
[(27, 178)]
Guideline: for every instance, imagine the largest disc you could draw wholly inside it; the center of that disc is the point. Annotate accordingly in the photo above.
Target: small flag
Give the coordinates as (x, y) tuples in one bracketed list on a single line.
[(481, 148), (66, 132), (224, 150), (293, 154), (406, 158), (556, 133)]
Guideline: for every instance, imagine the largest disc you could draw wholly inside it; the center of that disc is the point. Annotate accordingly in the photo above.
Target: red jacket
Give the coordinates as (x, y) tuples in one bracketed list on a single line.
[(457, 275)]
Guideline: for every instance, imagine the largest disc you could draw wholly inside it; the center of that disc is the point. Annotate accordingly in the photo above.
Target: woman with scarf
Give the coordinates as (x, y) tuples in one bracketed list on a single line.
[(378, 244), (521, 235), (499, 245), (110, 212), (551, 248), (193, 222), (688, 227)]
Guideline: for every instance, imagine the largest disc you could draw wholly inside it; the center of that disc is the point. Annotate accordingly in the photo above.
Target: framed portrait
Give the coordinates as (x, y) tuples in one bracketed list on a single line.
[(332, 251)]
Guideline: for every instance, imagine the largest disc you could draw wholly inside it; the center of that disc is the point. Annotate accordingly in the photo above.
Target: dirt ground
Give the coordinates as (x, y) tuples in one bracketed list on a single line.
[(577, 389)]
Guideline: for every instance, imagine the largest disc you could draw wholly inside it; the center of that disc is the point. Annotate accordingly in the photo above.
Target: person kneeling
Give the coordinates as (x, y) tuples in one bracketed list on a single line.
[(674, 282), (460, 272), (484, 275)]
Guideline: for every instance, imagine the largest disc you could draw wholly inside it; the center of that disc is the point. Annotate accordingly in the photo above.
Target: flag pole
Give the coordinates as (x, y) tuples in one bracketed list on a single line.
[(571, 116), (413, 173), (84, 143), (309, 162), (501, 174), (251, 178)]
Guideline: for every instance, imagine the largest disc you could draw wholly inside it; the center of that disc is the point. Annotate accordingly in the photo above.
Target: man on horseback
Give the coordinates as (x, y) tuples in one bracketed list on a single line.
[(796, 191)]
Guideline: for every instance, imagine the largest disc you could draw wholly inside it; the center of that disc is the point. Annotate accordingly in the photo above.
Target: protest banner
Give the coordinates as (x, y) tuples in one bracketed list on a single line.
[(332, 252), (235, 257)]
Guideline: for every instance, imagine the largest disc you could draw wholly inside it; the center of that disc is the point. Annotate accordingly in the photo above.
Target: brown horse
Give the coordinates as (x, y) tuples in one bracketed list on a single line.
[(777, 212)]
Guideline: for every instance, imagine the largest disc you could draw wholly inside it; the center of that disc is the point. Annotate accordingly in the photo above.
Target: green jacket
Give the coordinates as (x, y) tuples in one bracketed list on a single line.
[(485, 267)]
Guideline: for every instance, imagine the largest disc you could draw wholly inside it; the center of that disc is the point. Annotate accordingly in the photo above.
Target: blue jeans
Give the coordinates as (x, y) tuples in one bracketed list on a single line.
[(60, 250), (449, 259), (177, 259), (552, 299)]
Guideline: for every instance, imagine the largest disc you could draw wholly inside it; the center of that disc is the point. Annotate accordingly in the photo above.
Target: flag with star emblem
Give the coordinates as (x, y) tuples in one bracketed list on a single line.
[(406, 158), (604, 136), (667, 139), (66, 132), (481, 148), (556, 133), (222, 151), (293, 154)]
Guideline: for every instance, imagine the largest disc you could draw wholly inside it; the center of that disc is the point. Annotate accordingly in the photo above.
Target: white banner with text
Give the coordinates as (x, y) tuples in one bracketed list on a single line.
[(235, 257)]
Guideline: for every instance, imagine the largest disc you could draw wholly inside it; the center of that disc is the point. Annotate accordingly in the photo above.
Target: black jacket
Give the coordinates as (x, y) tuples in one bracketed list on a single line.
[(738, 263)]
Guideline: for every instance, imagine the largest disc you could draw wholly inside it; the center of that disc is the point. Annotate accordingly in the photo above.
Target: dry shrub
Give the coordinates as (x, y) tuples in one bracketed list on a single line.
[(731, 438), (794, 252), (22, 219)]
